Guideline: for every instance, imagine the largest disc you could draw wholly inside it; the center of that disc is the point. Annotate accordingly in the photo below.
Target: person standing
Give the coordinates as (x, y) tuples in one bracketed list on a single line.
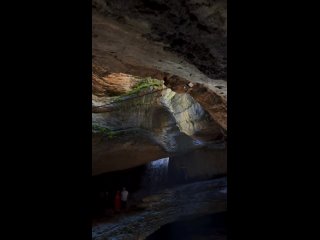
[(117, 202), (124, 198)]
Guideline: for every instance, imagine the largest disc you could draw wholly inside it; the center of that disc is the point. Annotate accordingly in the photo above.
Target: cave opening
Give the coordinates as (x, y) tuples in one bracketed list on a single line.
[(140, 181), (156, 176), (160, 143), (159, 119)]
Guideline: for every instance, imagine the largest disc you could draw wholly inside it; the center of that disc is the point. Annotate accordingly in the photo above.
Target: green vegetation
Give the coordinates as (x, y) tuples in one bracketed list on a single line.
[(106, 132), (143, 84), (146, 83)]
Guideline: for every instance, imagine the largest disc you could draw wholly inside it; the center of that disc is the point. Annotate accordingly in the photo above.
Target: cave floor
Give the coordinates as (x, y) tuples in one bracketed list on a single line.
[(195, 199)]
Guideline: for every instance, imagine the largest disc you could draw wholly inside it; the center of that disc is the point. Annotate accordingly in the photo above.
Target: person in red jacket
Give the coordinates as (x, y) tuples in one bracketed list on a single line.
[(117, 202)]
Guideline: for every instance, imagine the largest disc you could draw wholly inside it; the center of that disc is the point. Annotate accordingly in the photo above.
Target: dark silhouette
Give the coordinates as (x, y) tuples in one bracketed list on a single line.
[(117, 202), (124, 198)]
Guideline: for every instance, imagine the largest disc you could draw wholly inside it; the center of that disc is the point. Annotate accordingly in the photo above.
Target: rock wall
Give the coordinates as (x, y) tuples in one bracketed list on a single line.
[(174, 121), (184, 41), (204, 163), (194, 29)]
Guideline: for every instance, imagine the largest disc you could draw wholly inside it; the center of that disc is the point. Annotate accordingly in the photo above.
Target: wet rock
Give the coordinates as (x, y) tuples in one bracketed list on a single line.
[(191, 200)]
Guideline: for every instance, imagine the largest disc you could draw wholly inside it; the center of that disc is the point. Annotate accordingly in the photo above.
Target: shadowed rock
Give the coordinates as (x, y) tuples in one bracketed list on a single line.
[(191, 200)]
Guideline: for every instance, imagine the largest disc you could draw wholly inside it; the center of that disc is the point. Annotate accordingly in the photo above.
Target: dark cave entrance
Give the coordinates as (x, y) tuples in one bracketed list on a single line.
[(139, 181), (154, 176)]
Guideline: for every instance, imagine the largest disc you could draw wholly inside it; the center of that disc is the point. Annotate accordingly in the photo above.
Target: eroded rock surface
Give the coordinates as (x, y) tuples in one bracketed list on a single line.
[(182, 41), (195, 30), (172, 122)]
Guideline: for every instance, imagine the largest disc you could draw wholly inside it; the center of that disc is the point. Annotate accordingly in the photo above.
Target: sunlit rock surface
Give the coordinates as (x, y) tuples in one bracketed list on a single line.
[(184, 44), (184, 41), (155, 119), (153, 131)]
